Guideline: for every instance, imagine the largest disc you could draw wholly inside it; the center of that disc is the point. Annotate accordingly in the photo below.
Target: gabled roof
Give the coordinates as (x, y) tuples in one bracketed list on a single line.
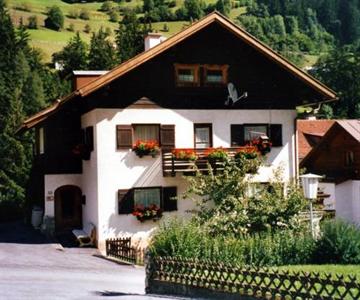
[(352, 127), (308, 129), (172, 41)]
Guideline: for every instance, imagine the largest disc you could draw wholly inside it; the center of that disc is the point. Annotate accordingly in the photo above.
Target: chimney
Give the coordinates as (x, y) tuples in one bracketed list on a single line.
[(82, 78), (153, 39)]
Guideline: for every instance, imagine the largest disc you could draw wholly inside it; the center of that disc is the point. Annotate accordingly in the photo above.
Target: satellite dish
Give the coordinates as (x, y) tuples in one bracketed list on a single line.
[(233, 94)]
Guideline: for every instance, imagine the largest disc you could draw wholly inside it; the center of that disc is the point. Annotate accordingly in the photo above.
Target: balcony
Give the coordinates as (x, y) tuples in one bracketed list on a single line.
[(172, 165)]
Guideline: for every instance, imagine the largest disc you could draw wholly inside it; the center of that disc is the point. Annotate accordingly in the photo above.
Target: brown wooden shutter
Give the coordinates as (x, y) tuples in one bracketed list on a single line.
[(89, 137), (169, 200), (167, 136), (275, 135), (237, 135), (125, 201), (124, 136)]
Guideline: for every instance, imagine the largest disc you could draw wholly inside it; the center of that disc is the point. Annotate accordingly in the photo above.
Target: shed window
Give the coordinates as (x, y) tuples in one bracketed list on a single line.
[(40, 141), (349, 158), (147, 196)]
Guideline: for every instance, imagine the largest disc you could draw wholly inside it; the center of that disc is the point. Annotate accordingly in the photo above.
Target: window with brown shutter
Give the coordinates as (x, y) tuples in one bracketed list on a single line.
[(89, 137), (169, 200), (167, 136), (124, 136), (243, 133), (237, 135), (275, 135), (125, 201)]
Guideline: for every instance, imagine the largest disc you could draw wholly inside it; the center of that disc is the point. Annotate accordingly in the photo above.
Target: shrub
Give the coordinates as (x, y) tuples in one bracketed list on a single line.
[(114, 16), (339, 243), (32, 22), (55, 18), (71, 27), (107, 6), (189, 240), (84, 14), (87, 28)]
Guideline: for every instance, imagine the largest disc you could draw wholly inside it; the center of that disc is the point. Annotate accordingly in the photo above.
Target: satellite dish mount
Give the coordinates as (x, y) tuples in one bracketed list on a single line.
[(233, 96)]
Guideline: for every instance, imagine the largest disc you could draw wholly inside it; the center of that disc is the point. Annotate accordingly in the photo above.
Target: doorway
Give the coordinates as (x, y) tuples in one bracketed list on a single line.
[(68, 208)]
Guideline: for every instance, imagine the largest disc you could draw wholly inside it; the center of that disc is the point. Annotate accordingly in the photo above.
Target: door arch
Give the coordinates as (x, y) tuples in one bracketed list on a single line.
[(68, 208)]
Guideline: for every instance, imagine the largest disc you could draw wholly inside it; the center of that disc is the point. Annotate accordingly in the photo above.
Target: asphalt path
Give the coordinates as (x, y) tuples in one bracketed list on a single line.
[(32, 267)]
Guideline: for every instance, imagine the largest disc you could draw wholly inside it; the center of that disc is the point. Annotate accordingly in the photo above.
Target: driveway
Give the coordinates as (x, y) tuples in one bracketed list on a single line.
[(31, 267)]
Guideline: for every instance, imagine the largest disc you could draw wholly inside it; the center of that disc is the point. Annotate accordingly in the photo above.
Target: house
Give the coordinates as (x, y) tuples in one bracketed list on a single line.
[(175, 94), (337, 157)]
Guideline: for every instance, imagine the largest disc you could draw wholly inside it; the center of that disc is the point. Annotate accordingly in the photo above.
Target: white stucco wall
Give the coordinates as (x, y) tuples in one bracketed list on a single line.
[(348, 201), (329, 189), (52, 182), (123, 169)]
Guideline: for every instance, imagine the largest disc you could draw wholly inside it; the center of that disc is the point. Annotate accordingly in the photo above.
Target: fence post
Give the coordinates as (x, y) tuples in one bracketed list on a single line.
[(149, 270)]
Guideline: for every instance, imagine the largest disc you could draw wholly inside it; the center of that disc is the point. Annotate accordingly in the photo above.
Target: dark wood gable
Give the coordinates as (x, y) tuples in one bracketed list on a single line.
[(268, 85)]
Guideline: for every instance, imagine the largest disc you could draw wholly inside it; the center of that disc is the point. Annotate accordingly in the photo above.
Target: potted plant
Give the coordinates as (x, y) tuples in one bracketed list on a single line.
[(217, 155), (263, 144), (248, 152), (142, 148), (184, 154), (151, 212)]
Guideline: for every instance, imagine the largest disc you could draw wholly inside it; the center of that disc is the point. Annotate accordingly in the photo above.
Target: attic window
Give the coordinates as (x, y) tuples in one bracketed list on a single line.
[(215, 74), (187, 75)]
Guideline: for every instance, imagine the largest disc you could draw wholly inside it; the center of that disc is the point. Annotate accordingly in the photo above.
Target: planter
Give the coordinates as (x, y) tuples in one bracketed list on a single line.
[(184, 155), (144, 213), (142, 148)]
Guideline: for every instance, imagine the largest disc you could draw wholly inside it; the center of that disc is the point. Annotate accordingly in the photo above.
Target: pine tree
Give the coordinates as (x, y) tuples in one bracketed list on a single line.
[(73, 56), (102, 54)]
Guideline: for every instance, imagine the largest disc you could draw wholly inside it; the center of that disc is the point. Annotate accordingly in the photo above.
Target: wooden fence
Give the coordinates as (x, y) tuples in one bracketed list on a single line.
[(245, 282), (120, 248)]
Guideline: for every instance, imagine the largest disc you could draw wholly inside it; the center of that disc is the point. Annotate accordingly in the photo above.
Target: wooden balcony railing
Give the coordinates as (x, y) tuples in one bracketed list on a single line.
[(171, 165)]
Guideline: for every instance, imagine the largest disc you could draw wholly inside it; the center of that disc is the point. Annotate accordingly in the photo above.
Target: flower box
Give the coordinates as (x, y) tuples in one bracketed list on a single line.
[(151, 212), (263, 145), (216, 155), (142, 148), (249, 152), (184, 154)]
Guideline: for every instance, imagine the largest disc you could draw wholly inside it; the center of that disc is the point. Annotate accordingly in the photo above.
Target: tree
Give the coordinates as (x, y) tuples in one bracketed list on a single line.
[(73, 56), (55, 18), (194, 9), (102, 55), (340, 71), (130, 36), (32, 22), (223, 6)]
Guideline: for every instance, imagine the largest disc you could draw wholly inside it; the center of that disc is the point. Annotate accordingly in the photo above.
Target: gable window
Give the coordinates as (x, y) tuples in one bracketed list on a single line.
[(215, 74), (127, 135), (202, 135), (241, 134), (39, 141), (187, 75), (164, 197)]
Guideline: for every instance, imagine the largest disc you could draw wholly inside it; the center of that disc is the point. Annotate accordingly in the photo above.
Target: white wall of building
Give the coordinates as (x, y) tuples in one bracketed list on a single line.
[(348, 201), (52, 182), (122, 169)]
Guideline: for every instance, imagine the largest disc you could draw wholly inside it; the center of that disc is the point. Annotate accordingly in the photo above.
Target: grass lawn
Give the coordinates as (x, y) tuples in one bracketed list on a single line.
[(332, 269)]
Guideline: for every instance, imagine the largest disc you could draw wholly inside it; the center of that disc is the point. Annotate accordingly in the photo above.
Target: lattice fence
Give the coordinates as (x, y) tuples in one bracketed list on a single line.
[(120, 248), (263, 283)]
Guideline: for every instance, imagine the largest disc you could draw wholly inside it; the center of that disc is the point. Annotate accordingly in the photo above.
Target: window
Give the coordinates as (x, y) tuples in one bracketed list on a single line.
[(215, 74), (241, 134), (127, 135), (147, 196), (41, 140), (202, 135), (146, 132), (349, 158), (187, 75), (164, 197)]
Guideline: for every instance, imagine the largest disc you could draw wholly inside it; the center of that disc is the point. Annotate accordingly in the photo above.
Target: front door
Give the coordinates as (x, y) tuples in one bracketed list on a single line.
[(203, 136), (68, 208)]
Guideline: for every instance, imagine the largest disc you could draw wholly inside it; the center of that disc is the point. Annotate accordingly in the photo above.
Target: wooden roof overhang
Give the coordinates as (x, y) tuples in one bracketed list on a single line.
[(324, 92)]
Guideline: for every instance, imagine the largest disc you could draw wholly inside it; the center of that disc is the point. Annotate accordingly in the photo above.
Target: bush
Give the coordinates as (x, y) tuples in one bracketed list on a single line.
[(55, 18), (114, 16), (84, 14), (107, 6), (339, 243), (32, 22), (73, 14), (266, 249), (87, 28), (71, 27), (10, 211)]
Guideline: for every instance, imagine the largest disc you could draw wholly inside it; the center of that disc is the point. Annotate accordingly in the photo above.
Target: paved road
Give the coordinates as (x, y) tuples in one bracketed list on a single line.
[(31, 267)]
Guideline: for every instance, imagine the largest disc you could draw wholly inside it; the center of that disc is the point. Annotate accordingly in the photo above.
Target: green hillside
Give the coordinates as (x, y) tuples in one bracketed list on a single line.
[(51, 41)]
